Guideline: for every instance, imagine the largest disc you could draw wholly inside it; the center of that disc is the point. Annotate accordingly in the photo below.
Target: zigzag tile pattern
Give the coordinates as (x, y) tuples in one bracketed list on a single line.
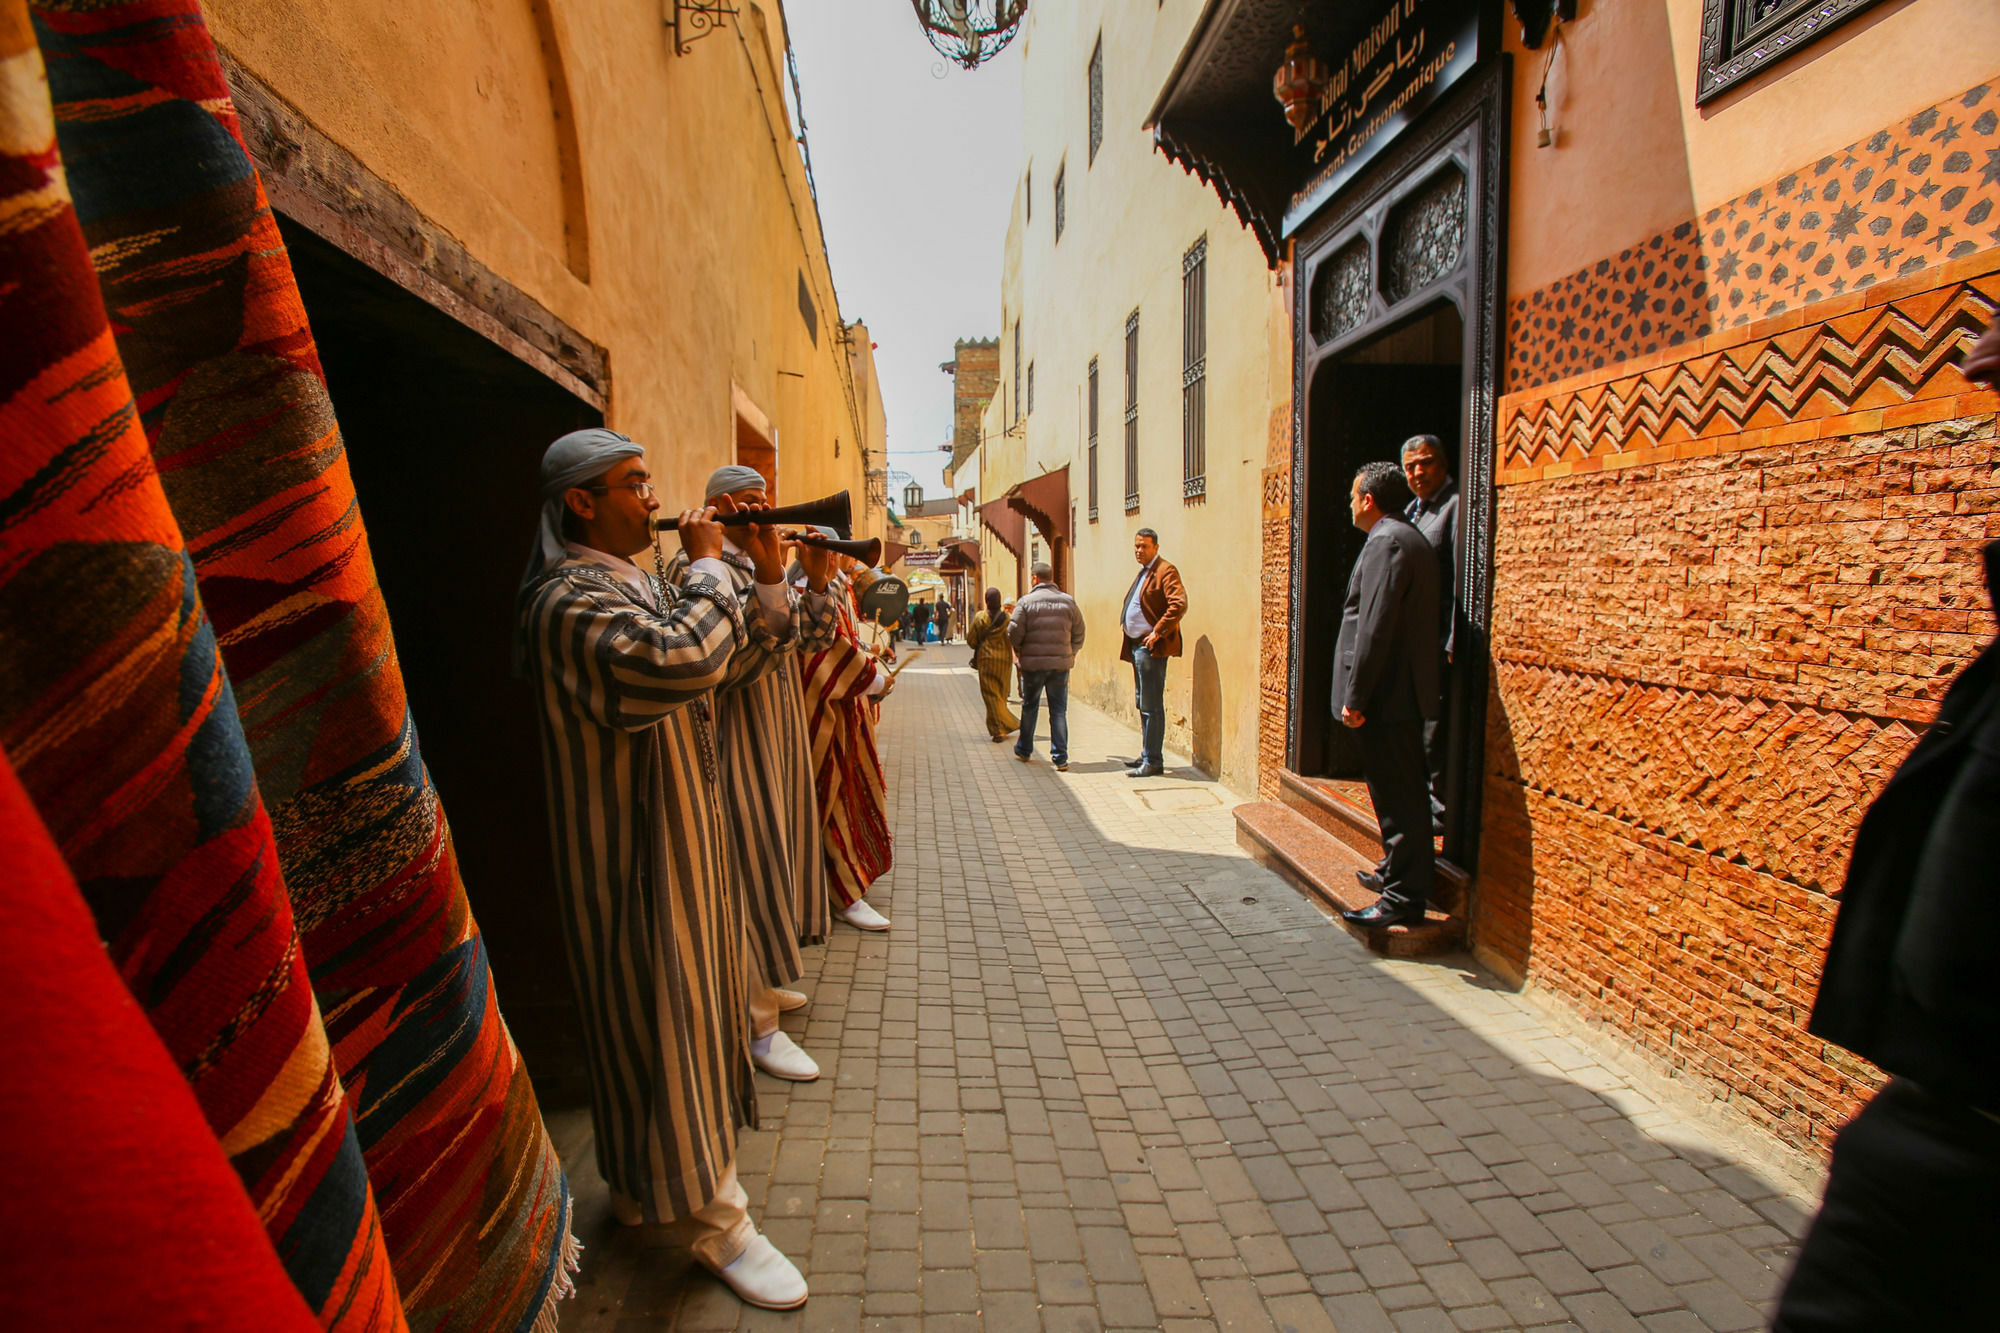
[(1875, 357), (1775, 787)]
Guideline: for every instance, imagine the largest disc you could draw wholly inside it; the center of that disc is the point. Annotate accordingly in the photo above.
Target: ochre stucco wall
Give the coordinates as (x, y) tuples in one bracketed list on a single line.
[(689, 190)]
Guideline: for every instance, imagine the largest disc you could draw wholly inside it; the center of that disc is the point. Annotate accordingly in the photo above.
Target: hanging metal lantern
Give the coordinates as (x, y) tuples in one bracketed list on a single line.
[(1300, 80), (970, 32)]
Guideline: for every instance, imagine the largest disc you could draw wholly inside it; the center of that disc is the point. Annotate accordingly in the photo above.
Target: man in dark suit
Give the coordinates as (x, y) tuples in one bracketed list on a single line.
[(1906, 1234), (1385, 686), (1434, 511)]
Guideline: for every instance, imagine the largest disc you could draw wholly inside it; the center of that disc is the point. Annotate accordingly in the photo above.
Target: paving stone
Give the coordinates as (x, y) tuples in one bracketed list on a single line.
[(1061, 1095)]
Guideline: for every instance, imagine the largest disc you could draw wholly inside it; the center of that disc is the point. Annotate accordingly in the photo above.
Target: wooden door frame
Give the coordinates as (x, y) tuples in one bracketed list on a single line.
[(1471, 129)]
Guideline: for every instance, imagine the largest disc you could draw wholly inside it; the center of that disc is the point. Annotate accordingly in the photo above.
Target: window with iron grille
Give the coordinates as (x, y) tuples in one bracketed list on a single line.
[(1194, 370), (1031, 388), (1096, 96), (1017, 370), (1132, 412), (1061, 171), (1090, 377)]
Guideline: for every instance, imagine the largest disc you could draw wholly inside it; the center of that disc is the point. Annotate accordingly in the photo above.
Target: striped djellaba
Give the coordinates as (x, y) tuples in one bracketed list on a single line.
[(653, 929), (847, 767), (767, 785)]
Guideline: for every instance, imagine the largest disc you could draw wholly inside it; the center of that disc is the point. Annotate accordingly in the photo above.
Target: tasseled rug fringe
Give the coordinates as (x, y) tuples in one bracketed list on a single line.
[(564, 1285)]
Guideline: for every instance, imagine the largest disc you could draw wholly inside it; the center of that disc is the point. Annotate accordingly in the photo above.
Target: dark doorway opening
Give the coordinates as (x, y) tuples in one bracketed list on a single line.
[(444, 434), (1361, 405)]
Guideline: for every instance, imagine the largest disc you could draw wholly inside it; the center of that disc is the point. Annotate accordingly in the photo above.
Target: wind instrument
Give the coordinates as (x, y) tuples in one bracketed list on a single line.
[(829, 511)]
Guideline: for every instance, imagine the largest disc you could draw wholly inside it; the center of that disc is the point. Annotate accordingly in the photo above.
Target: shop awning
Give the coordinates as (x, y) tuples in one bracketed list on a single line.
[(1006, 523), (959, 557), (1045, 501), (1387, 60), (892, 552)]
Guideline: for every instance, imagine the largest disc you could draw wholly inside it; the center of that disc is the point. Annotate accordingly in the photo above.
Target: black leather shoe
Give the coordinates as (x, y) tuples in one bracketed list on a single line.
[(1386, 913), (1145, 771), (1369, 881)]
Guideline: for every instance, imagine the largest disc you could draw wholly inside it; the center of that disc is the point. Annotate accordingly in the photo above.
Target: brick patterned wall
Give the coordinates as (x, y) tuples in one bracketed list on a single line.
[(1731, 583), (1274, 649)]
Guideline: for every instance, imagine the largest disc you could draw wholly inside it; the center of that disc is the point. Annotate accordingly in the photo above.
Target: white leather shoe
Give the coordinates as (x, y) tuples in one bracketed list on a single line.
[(781, 1058), (763, 1277), (788, 1000), (863, 917)]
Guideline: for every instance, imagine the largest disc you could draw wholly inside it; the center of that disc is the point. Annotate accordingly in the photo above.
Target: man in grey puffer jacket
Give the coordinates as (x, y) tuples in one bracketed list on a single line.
[(1046, 631)]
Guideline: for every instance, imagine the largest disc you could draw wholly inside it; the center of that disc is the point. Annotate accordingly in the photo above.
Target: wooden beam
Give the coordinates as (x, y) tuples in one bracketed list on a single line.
[(319, 184)]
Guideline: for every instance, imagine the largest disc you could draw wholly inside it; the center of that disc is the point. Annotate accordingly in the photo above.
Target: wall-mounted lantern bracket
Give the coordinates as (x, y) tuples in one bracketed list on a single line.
[(693, 20)]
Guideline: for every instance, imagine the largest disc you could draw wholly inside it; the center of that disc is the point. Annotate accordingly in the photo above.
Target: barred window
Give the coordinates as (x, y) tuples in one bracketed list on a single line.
[(1132, 412), (1194, 370), (1096, 96), (1090, 377), (1061, 171), (1017, 370), (1031, 388)]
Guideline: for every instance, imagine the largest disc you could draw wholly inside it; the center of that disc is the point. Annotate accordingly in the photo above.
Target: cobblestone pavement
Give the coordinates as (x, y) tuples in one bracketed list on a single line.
[(1108, 1073)]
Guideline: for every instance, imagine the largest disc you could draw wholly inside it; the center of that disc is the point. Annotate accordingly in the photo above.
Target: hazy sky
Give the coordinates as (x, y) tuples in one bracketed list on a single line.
[(915, 175)]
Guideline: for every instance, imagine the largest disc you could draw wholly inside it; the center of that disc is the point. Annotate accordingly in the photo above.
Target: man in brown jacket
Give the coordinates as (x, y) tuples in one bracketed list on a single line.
[(1153, 610)]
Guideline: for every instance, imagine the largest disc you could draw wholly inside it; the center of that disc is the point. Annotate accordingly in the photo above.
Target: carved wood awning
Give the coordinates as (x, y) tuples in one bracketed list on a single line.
[(1217, 118)]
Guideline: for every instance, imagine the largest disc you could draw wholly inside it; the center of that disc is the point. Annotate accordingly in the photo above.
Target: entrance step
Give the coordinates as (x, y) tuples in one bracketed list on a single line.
[(1341, 807), (1323, 866)]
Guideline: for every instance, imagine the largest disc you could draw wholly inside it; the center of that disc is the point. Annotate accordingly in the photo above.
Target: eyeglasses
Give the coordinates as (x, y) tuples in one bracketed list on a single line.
[(642, 489)]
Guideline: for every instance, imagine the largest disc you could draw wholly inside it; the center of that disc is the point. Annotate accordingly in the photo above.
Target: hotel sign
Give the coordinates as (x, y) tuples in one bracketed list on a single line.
[(1389, 68)]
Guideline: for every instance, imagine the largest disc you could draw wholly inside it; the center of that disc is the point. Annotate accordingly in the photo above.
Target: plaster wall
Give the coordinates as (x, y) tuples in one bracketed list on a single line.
[(1633, 153), (655, 202), (1129, 217)]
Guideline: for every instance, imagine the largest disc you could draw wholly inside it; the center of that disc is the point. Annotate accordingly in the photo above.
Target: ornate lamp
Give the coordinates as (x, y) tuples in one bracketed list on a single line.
[(1300, 80), (970, 32)]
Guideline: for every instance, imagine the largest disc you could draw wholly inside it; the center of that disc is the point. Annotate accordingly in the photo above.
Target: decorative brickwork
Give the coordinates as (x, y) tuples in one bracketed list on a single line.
[(1909, 197), (1729, 591), (1881, 355), (1274, 665)]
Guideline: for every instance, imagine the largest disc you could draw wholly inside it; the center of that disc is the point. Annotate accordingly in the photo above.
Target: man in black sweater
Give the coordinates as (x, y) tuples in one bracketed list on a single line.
[(1909, 1226), (1385, 685)]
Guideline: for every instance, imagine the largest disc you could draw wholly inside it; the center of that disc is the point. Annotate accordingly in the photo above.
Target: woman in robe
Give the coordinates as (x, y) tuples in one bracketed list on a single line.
[(994, 657)]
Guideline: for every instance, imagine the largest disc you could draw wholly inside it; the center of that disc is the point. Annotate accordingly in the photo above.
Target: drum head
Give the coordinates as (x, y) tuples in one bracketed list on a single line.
[(885, 600)]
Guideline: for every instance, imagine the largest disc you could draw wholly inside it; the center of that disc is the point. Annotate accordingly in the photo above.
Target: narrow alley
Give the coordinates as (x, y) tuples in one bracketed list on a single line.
[(1108, 1073)]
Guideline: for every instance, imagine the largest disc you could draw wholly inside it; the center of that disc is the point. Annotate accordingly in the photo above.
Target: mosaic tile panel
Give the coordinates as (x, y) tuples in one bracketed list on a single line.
[(1921, 192)]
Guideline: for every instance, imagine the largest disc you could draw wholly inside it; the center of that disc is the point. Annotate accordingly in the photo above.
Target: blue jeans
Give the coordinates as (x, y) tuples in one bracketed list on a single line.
[(1149, 696), (1032, 685)]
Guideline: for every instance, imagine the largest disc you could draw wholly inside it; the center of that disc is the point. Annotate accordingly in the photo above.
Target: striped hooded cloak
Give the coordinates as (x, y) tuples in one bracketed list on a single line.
[(653, 932), (767, 784)]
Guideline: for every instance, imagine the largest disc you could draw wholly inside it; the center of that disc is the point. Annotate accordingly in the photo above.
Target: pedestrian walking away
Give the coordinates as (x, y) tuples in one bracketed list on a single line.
[(1154, 606), (1434, 511), (943, 619), (1385, 686), (993, 658), (1047, 632), (1907, 1226)]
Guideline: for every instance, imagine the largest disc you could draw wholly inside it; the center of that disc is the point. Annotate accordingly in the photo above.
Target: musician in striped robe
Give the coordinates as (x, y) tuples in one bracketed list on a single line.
[(843, 684), (625, 669), (772, 825)]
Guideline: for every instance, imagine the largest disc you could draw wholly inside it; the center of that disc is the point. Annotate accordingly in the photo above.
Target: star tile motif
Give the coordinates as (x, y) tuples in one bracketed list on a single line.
[(1919, 192)]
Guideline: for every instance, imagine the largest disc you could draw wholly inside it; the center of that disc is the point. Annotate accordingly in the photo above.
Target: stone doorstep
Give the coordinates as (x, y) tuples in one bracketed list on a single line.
[(1321, 800), (1323, 867)]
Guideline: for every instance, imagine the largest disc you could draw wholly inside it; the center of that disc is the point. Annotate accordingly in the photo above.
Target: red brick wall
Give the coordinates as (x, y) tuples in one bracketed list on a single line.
[(1731, 581)]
